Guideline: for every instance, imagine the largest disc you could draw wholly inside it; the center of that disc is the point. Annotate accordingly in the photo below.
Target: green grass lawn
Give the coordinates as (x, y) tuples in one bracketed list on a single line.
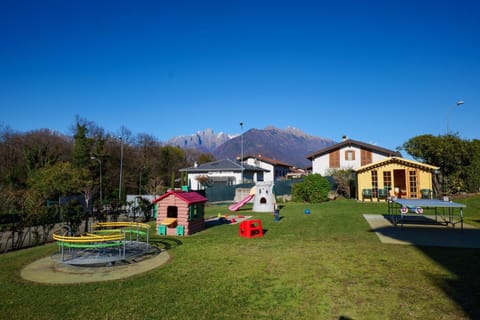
[(326, 265)]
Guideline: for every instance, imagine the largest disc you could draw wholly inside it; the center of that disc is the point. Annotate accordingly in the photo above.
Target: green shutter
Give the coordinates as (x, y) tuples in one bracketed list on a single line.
[(191, 211)]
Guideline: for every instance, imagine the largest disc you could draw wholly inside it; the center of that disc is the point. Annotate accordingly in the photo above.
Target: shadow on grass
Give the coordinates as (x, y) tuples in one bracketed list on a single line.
[(464, 287), (166, 243), (415, 219), (454, 249), (430, 236), (216, 222)]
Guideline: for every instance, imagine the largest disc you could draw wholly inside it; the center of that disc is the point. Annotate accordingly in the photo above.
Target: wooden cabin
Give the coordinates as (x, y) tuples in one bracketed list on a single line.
[(180, 213), (394, 176)]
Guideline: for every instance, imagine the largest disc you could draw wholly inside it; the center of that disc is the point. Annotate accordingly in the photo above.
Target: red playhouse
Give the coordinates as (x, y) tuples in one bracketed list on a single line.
[(180, 213)]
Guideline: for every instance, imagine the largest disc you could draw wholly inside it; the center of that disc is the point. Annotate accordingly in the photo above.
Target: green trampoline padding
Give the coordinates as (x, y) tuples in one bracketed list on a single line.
[(110, 231), (143, 233), (86, 245)]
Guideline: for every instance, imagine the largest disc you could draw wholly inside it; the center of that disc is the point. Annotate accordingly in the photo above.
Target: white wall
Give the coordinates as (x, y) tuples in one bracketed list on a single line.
[(321, 164), (195, 185), (267, 176)]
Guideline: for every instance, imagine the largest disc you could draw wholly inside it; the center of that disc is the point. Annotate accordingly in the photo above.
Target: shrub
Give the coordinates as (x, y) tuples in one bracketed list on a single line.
[(313, 189)]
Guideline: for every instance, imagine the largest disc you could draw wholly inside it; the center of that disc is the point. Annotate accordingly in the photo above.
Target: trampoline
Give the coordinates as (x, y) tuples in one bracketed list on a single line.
[(446, 212)]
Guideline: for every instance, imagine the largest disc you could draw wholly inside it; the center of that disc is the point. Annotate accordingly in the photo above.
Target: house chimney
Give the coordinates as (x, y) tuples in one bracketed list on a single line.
[(344, 138), (195, 164)]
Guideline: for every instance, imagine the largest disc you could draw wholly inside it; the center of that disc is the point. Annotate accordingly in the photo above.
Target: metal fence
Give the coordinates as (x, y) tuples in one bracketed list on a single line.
[(227, 193)]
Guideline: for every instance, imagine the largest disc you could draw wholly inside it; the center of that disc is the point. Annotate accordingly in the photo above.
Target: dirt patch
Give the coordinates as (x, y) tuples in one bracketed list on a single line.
[(226, 219), (49, 271)]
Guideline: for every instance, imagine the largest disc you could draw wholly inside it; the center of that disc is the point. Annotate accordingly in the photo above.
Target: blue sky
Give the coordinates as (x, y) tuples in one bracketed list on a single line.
[(377, 71)]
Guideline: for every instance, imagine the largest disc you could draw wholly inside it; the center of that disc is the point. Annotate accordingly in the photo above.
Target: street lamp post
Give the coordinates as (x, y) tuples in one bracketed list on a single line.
[(444, 180), (458, 104), (241, 148), (121, 169), (101, 184)]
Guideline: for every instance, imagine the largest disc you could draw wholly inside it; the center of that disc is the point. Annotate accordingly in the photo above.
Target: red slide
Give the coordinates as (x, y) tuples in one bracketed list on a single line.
[(241, 203)]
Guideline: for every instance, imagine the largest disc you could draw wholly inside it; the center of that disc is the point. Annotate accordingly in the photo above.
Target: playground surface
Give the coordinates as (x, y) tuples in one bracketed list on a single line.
[(49, 271), (421, 231)]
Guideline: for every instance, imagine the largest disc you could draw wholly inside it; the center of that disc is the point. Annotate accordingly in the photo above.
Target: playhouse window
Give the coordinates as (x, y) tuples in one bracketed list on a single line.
[(172, 212), (195, 212)]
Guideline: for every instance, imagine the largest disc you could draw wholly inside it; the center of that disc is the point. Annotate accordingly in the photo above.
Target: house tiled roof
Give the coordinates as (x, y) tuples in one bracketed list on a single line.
[(271, 161), (354, 143), (188, 197), (410, 163), (222, 165)]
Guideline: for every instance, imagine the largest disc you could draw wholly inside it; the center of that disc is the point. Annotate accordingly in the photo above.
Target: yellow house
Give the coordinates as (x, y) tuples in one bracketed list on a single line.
[(396, 176)]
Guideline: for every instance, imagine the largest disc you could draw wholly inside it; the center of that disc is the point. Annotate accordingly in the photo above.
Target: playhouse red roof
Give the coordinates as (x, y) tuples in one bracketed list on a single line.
[(190, 197)]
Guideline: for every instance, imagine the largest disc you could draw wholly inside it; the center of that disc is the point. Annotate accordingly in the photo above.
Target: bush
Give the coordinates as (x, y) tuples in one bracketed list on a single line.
[(313, 189)]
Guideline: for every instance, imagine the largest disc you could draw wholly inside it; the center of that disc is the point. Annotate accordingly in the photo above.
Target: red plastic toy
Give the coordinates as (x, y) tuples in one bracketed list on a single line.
[(251, 229)]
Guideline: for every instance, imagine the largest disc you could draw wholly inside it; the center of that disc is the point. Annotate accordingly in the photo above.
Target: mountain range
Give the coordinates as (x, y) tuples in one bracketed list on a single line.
[(289, 145)]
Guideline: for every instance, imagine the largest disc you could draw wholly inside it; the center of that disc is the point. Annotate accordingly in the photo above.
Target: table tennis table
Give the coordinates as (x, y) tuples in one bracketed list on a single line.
[(450, 213)]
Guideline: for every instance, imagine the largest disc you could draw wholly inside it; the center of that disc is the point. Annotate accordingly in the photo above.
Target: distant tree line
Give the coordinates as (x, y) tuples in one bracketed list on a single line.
[(39, 167)]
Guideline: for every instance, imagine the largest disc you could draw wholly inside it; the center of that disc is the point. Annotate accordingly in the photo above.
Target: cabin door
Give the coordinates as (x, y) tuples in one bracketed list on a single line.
[(400, 183)]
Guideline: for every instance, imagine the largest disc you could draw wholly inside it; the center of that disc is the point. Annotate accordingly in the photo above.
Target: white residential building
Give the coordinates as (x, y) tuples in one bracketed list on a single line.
[(275, 168), (348, 154), (222, 172)]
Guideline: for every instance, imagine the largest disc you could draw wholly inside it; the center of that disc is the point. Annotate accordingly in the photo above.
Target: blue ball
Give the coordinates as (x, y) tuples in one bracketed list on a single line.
[(307, 211)]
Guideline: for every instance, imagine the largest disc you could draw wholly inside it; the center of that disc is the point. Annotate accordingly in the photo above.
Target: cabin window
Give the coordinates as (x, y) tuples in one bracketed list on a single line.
[(374, 182), (387, 180), (349, 155), (366, 157), (335, 159), (413, 184)]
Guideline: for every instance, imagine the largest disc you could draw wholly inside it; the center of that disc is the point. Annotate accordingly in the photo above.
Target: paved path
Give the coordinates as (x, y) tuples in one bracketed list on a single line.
[(424, 234), (46, 270)]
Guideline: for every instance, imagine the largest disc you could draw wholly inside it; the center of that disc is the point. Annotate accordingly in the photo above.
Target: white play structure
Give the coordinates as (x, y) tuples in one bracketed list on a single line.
[(264, 200), (262, 196)]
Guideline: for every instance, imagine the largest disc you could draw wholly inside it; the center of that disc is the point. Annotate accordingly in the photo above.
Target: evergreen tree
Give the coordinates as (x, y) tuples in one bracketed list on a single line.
[(81, 147)]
